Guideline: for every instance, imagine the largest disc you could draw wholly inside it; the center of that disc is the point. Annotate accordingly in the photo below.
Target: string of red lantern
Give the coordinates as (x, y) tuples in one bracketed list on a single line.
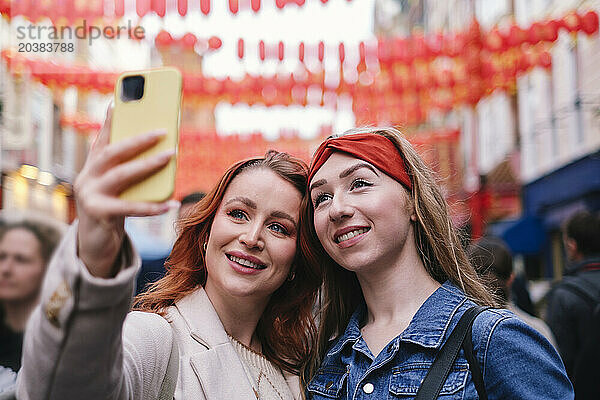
[(396, 95), (80, 123), (188, 41), (400, 92), (417, 48), (402, 78), (210, 153), (73, 10), (65, 11), (420, 47)]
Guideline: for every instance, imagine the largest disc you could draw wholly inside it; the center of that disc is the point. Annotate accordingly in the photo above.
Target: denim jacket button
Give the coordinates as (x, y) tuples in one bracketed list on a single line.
[(368, 388)]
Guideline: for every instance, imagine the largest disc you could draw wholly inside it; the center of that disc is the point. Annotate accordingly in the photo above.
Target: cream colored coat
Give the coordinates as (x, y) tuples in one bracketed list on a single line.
[(81, 343)]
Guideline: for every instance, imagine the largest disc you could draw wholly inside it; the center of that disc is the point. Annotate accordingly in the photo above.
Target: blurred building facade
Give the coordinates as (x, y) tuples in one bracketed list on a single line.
[(533, 152), (515, 163)]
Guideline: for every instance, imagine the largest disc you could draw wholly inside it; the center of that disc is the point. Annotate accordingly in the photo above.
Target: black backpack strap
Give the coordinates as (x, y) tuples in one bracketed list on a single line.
[(474, 366), (440, 369)]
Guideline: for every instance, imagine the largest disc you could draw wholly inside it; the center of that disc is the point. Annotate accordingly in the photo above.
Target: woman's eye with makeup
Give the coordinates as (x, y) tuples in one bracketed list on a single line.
[(237, 214), (358, 183), (319, 198), (278, 228)]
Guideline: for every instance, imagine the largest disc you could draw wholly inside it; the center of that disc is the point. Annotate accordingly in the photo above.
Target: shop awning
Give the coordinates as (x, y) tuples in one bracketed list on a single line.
[(524, 236)]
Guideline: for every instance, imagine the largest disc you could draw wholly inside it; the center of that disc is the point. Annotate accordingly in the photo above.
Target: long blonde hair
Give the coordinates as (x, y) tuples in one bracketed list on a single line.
[(438, 244)]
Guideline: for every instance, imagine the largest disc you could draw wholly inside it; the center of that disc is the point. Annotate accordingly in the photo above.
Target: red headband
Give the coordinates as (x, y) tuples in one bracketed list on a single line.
[(373, 148)]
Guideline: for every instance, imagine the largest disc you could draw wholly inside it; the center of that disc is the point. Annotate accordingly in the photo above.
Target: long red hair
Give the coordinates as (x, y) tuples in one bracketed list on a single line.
[(286, 329)]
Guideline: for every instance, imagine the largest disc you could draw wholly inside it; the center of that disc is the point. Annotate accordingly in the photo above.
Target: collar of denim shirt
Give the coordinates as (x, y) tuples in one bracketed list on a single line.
[(427, 328)]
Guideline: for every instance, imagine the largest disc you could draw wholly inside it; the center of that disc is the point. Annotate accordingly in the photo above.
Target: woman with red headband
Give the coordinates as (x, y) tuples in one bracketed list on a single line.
[(397, 282)]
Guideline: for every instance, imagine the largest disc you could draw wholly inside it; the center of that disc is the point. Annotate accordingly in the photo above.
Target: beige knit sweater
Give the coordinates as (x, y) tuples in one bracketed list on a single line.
[(267, 380)]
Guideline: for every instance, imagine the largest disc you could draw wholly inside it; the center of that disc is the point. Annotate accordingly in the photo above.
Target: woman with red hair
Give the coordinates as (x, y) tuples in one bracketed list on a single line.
[(230, 320)]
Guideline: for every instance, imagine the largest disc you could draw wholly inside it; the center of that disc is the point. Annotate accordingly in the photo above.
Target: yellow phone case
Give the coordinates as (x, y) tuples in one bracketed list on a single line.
[(157, 109)]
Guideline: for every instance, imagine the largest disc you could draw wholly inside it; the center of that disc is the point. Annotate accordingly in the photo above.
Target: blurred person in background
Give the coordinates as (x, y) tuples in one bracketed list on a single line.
[(519, 293), (188, 202), (25, 250), (232, 317), (153, 269), (573, 306), (494, 263)]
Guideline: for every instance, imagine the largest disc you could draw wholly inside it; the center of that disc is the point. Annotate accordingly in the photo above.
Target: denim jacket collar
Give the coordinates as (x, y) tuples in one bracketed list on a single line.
[(428, 326)]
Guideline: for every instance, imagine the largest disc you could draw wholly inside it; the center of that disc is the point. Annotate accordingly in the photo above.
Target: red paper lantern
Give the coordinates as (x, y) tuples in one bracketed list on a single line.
[(182, 6), (362, 51), (399, 51), (516, 36), (434, 44), (215, 43), (205, 6), (234, 6), (142, 7), (241, 48), (383, 51), (535, 33), (545, 60), (321, 51), (572, 22), (159, 7), (163, 39), (280, 51), (454, 44), (192, 84), (255, 5), (419, 47), (589, 22), (524, 62), (119, 8), (301, 52), (188, 41), (551, 31), (487, 70), (282, 3), (261, 50), (494, 41)]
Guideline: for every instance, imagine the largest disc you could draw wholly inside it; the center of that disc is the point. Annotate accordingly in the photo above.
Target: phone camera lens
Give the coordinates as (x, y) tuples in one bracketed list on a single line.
[(133, 88)]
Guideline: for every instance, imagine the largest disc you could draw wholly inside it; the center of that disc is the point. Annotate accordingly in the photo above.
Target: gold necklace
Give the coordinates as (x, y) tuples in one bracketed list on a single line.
[(246, 347), (260, 374)]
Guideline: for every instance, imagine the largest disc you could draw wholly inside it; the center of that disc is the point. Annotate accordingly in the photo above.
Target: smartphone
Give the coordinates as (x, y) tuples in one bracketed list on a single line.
[(146, 101)]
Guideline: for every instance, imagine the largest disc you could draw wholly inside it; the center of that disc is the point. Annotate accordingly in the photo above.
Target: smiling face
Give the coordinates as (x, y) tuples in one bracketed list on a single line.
[(362, 216), (252, 241), (21, 266)]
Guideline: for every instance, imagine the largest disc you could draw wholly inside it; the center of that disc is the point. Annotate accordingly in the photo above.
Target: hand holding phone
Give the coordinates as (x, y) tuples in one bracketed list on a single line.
[(147, 101), (111, 168), (130, 170)]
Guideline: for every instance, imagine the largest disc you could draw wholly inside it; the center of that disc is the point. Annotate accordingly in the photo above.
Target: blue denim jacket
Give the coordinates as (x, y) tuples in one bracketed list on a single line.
[(517, 362)]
